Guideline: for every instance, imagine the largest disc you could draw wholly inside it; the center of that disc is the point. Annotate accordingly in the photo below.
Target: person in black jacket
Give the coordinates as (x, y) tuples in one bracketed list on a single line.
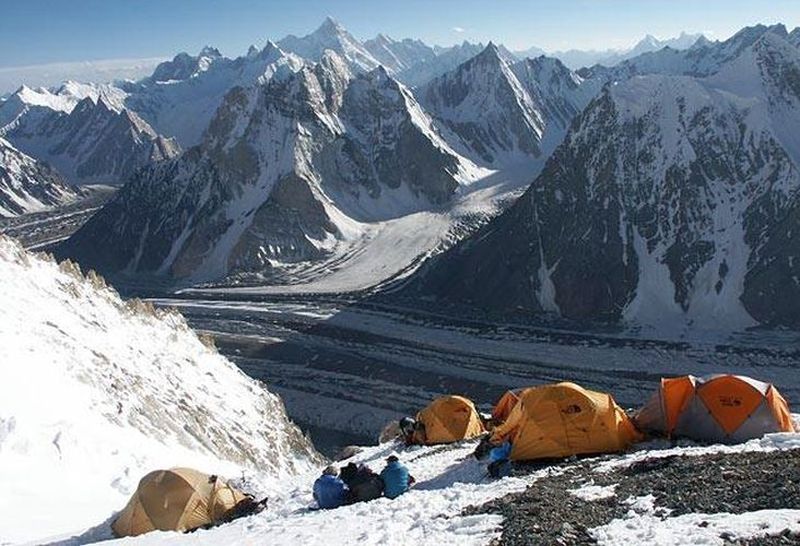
[(363, 483)]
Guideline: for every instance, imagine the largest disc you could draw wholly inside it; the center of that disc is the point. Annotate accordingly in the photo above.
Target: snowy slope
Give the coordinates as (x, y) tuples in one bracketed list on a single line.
[(484, 103), (447, 59), (27, 185), (672, 203), (26, 101), (96, 392), (450, 480)]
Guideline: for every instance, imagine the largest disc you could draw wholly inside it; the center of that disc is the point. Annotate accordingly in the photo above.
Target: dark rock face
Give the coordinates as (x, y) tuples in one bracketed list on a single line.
[(385, 148), (554, 227)]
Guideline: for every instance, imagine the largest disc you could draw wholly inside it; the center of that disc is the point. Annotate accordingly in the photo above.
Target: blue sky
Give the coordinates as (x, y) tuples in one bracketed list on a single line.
[(38, 31)]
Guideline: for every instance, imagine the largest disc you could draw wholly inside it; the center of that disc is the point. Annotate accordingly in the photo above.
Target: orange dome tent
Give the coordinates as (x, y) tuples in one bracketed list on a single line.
[(448, 419), (502, 409), (717, 408), (180, 499), (564, 419)]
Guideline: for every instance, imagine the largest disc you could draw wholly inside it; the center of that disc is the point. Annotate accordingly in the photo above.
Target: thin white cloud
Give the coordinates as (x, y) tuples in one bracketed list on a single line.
[(459, 29), (47, 75)]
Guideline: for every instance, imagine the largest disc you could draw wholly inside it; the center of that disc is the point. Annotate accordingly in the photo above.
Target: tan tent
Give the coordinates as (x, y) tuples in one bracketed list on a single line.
[(717, 408), (180, 499), (502, 409), (565, 419), (448, 419)]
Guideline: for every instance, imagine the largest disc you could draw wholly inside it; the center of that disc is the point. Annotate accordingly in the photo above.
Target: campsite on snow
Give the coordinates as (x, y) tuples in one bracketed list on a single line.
[(332, 289)]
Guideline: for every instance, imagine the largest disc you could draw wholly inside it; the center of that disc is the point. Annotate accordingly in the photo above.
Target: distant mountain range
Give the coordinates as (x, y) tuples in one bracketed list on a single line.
[(663, 187), (576, 58)]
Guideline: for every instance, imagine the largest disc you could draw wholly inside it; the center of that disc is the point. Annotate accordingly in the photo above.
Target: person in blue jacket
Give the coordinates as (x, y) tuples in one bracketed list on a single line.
[(396, 479), (499, 464), (329, 490)]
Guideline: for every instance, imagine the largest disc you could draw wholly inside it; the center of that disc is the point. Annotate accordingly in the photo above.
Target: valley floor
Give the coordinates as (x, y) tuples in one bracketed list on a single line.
[(41, 230), (347, 366)]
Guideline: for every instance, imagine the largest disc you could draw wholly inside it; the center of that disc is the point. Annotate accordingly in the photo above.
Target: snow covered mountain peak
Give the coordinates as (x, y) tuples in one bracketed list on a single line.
[(331, 35), (331, 27), (271, 50), (184, 66), (485, 104), (209, 51)]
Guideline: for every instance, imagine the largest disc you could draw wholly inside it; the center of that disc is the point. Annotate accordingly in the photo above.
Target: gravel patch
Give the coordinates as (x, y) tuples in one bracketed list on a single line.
[(548, 513)]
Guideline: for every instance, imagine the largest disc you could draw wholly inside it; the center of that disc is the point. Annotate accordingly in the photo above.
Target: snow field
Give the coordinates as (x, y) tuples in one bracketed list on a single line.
[(449, 479), (97, 392)]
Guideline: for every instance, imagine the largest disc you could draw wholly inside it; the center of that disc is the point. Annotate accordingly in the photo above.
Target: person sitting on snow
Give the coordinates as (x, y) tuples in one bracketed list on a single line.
[(363, 483), (499, 463), (329, 490), (396, 479)]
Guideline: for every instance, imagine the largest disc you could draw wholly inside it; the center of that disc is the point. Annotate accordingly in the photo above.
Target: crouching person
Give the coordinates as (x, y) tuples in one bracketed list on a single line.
[(396, 479), (329, 490), (499, 463), (363, 483)]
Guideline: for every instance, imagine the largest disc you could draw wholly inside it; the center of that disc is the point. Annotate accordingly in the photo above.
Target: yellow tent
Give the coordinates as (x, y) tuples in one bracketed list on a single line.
[(565, 419), (502, 409), (180, 499), (448, 419), (717, 408)]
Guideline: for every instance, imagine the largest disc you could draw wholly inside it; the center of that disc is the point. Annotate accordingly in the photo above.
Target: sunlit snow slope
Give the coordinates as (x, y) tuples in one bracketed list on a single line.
[(95, 392)]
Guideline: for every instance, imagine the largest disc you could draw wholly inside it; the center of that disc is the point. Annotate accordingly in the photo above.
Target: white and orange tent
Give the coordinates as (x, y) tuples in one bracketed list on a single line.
[(716, 408)]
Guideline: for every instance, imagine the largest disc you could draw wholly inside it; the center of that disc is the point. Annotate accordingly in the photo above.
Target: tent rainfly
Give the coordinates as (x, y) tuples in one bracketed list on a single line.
[(179, 499), (564, 419), (448, 419), (716, 408)]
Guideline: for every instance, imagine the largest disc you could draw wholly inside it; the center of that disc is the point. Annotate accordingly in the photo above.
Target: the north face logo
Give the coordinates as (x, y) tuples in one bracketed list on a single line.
[(730, 401), (572, 409)]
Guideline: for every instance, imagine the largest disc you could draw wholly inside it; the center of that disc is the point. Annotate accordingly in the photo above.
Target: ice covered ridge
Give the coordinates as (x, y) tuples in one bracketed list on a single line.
[(97, 391)]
